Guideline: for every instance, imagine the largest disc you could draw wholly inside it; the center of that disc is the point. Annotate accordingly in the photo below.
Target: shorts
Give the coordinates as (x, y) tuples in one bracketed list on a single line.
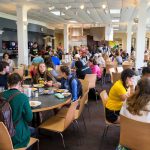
[(111, 115)]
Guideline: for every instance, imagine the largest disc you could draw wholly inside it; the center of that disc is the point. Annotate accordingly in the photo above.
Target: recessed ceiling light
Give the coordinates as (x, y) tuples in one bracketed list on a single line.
[(115, 20), (82, 6), (114, 11), (103, 6), (68, 7), (73, 21), (115, 29), (51, 8), (62, 14), (57, 13), (88, 12), (115, 25)]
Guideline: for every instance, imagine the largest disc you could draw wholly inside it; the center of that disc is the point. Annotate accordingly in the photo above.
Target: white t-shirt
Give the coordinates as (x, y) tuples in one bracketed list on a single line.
[(145, 117)]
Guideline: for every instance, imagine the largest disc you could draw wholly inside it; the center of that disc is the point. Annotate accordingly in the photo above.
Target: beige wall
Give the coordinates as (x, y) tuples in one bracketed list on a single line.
[(59, 38), (122, 37)]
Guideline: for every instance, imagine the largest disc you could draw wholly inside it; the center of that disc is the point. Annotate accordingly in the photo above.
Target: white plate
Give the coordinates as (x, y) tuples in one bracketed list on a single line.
[(66, 94), (34, 103)]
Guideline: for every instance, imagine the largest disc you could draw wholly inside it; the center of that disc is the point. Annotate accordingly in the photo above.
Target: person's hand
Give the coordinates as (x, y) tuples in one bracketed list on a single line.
[(49, 83), (57, 85)]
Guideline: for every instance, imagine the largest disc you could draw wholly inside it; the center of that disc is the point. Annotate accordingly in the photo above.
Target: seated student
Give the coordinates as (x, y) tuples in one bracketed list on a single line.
[(69, 82), (4, 70), (117, 94), (81, 70), (21, 111), (55, 59), (37, 59), (51, 67), (42, 76), (137, 107), (9, 61), (95, 68), (146, 72)]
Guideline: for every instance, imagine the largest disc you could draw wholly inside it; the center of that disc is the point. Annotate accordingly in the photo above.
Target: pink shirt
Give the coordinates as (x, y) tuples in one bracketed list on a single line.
[(96, 70)]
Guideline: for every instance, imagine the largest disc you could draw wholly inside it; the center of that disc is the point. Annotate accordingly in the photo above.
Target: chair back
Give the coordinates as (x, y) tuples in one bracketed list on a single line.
[(85, 88), (91, 78), (5, 139), (111, 71), (134, 134), (104, 97), (82, 102), (115, 76), (85, 85), (70, 114), (119, 69)]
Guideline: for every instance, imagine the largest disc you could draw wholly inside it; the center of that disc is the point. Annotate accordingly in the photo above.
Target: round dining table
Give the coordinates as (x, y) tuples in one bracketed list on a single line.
[(49, 102)]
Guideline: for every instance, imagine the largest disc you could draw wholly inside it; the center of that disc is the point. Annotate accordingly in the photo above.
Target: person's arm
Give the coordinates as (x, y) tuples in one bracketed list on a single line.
[(74, 90), (27, 112)]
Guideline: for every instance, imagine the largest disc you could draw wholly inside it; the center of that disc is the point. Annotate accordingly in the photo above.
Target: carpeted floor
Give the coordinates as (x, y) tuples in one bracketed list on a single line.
[(89, 139)]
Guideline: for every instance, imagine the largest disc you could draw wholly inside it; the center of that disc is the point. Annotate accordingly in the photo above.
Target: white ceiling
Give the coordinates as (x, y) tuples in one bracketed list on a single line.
[(98, 16)]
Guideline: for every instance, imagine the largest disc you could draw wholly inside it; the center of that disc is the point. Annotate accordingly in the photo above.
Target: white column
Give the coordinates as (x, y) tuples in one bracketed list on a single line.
[(1, 32), (141, 33), (129, 37), (22, 34), (66, 38)]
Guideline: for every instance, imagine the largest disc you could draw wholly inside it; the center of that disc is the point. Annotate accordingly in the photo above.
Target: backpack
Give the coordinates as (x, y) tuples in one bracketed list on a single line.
[(79, 85), (6, 114)]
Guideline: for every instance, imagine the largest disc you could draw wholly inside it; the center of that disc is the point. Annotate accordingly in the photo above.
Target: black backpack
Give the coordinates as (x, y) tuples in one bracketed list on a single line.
[(6, 114), (79, 85)]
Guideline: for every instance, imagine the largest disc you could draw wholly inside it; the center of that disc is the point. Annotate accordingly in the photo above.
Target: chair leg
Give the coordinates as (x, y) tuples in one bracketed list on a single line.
[(62, 137), (84, 122), (96, 95), (88, 107), (38, 145), (78, 130)]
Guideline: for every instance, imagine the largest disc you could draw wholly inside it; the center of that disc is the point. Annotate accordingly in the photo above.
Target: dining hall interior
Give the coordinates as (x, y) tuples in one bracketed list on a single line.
[(74, 74)]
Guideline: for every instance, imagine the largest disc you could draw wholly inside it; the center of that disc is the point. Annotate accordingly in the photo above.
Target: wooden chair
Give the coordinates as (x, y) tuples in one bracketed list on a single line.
[(115, 77), (60, 124), (91, 78), (104, 97), (119, 69), (78, 111), (111, 71), (6, 143), (134, 134), (127, 64)]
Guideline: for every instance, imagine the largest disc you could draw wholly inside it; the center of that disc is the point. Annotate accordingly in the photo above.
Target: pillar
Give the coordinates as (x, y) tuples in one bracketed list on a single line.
[(1, 32), (66, 38), (129, 37), (22, 34), (141, 33)]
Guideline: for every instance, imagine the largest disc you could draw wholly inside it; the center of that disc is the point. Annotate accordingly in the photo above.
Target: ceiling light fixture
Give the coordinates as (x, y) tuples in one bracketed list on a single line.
[(115, 25), (57, 13), (51, 8), (88, 12), (82, 6), (73, 21), (68, 7), (115, 20), (115, 29), (103, 6), (114, 11)]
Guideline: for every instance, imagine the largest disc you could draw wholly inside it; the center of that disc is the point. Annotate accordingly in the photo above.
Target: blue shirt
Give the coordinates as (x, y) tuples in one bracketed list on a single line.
[(73, 89), (55, 60)]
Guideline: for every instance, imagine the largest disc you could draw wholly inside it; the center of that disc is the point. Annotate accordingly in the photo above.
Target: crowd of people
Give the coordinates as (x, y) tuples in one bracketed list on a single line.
[(124, 98)]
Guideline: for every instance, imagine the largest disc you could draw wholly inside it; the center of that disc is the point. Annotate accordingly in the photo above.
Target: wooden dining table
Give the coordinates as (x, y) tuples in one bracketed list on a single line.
[(49, 102)]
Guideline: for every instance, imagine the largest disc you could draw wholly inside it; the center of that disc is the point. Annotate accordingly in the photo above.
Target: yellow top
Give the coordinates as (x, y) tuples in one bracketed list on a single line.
[(114, 101)]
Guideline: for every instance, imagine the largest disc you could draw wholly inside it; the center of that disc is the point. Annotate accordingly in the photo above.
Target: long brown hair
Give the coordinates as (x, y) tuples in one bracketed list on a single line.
[(139, 100), (46, 74)]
